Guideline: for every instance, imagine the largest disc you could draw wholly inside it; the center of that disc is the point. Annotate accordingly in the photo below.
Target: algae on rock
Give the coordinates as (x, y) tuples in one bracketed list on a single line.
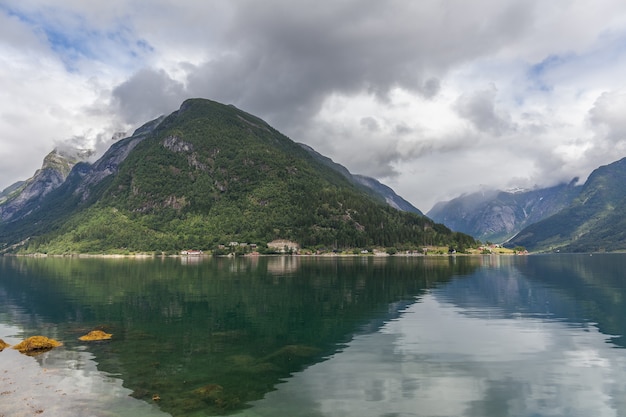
[(3, 345), (95, 335), (35, 345)]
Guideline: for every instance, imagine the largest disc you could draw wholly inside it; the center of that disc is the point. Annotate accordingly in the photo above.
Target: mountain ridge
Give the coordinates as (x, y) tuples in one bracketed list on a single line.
[(593, 222), (495, 215), (208, 174), (22, 196), (371, 184)]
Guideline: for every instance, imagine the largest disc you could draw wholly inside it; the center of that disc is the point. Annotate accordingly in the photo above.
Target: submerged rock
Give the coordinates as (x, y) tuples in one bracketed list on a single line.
[(95, 335), (3, 345), (209, 392), (214, 394), (293, 351), (35, 345)]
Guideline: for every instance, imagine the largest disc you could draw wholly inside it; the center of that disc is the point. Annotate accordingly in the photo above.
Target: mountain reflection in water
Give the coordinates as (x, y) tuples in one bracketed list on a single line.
[(363, 336), (214, 335)]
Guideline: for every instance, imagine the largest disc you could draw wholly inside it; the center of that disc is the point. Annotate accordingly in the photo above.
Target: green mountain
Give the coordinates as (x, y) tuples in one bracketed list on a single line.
[(367, 184), (204, 176), (594, 221)]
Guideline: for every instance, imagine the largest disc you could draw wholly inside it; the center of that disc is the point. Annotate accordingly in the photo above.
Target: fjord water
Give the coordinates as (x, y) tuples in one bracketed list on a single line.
[(295, 336)]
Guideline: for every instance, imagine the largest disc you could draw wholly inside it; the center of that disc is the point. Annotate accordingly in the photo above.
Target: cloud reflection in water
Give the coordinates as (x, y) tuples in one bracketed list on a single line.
[(435, 360)]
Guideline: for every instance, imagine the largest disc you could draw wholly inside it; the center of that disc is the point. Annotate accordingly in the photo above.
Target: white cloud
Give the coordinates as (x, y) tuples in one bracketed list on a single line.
[(607, 116), (437, 97)]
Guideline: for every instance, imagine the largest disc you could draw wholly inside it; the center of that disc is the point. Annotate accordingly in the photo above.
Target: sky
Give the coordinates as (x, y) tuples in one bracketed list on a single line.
[(433, 98)]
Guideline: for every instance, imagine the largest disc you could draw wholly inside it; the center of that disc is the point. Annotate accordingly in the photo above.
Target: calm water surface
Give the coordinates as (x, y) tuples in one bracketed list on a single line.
[(288, 336)]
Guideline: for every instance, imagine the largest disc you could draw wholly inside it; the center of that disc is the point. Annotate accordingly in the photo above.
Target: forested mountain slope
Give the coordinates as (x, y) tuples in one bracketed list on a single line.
[(206, 175)]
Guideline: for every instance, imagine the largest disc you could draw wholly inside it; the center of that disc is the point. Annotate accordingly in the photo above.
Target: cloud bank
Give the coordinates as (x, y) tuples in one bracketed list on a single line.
[(438, 98)]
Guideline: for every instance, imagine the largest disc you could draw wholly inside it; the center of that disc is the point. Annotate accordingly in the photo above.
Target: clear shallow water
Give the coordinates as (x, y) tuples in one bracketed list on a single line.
[(63, 383), (463, 336)]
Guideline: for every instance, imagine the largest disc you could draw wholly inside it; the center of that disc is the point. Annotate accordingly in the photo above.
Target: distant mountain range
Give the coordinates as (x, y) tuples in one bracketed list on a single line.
[(564, 218), (206, 175), (496, 216), (595, 221)]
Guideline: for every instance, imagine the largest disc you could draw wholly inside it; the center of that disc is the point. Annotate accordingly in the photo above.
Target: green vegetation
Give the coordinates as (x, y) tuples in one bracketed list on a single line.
[(211, 174), (594, 222)]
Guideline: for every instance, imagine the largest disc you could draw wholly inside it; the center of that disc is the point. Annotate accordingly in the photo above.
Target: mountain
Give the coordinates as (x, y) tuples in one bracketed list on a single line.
[(498, 215), (23, 197), (390, 196), (370, 185), (594, 221), (54, 207), (204, 176), (4, 194)]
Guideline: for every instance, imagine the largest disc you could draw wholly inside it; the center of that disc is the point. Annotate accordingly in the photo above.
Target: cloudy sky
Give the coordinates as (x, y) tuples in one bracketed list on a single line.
[(433, 98)]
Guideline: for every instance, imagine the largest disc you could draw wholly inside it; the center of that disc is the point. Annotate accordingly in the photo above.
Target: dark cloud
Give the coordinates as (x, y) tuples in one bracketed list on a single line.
[(480, 109), (282, 60), (379, 162), (291, 56), (370, 124), (147, 95), (431, 87), (402, 129)]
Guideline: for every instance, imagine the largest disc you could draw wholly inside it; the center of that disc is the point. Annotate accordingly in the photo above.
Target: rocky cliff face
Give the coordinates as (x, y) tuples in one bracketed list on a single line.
[(21, 198), (109, 162), (6, 193), (498, 215)]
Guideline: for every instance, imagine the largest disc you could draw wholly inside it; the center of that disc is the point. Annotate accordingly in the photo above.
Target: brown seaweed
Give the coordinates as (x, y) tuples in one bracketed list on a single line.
[(35, 345), (3, 345), (95, 335)]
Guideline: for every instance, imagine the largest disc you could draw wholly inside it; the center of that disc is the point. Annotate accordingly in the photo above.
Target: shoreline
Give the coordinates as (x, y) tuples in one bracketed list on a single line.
[(64, 382), (305, 255)]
